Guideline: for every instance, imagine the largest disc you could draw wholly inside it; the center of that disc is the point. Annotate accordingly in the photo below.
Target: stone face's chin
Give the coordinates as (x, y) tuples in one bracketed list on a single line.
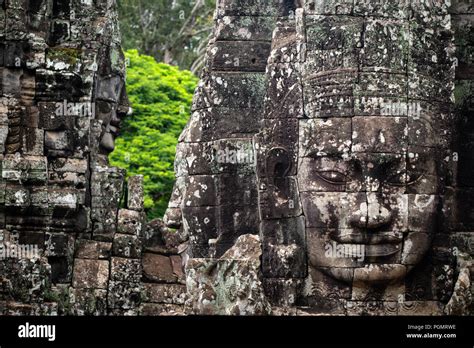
[(108, 142)]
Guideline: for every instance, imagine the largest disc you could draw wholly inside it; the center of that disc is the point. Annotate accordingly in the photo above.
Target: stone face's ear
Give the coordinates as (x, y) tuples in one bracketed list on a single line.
[(277, 163)]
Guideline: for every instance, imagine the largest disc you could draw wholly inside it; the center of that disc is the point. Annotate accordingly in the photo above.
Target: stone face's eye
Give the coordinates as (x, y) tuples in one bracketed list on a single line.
[(399, 179), (333, 177), (403, 179), (413, 178)]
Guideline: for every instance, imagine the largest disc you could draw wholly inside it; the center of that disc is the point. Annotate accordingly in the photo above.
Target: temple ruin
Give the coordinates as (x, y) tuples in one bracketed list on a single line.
[(326, 168)]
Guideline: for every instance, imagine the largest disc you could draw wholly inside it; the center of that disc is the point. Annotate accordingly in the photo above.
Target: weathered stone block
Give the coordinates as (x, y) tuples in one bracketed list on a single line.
[(124, 295), (428, 88), (279, 198), (158, 268), (216, 123), (379, 272), (234, 156), (253, 8), (177, 265), (235, 221), (127, 270), (315, 207), (282, 292), (461, 6), (378, 50), (106, 186), (165, 293), (243, 91), (285, 261), (420, 308), (130, 222), (287, 47), (324, 294), (244, 28), (17, 196), (202, 276), (284, 92), (284, 231), (201, 191), (162, 309), (58, 244), (11, 86), (371, 308), (379, 134), (426, 170), (187, 162), (31, 169), (33, 238), (125, 245), (203, 220), (89, 249), (422, 211), (135, 193), (243, 186), (329, 7), (325, 137), (88, 301), (90, 274), (68, 199), (249, 56), (329, 94)]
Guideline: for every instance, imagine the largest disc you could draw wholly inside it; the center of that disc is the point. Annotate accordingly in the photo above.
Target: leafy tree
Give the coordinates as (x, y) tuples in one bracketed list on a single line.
[(173, 31), (161, 97)]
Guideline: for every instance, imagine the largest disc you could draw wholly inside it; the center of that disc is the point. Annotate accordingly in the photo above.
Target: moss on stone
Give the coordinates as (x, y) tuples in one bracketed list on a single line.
[(65, 54)]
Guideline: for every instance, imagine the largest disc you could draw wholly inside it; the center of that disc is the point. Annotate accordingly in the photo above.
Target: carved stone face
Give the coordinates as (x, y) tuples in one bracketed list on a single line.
[(62, 114), (112, 102), (370, 160), (364, 209), (111, 126), (357, 153)]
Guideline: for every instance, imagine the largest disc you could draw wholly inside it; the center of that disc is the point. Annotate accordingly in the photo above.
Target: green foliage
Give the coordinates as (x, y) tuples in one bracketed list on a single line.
[(161, 97)]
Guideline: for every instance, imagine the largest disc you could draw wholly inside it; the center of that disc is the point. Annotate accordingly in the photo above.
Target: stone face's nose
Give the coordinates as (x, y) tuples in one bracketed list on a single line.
[(372, 215), (378, 215)]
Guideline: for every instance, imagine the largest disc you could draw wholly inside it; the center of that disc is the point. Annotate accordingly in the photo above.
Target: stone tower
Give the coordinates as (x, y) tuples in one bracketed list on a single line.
[(336, 134), (62, 99)]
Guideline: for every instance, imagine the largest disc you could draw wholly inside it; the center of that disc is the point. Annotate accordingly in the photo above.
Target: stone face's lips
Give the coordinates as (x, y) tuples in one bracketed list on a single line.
[(381, 250), (371, 251), (354, 237)]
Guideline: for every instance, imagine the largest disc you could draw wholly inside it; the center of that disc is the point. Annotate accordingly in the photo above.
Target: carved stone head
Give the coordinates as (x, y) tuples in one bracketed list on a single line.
[(355, 167), (63, 95), (354, 155)]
